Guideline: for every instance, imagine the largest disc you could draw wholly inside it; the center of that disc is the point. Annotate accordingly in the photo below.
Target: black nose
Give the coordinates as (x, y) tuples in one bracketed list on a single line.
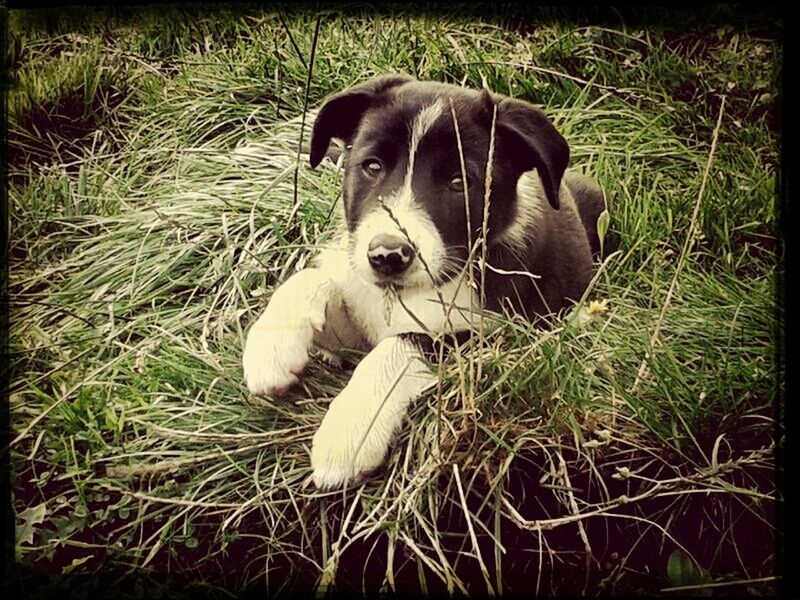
[(390, 254)]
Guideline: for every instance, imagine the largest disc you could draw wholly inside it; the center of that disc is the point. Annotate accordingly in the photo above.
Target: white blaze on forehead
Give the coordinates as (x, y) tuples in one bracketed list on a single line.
[(408, 217), (422, 124)]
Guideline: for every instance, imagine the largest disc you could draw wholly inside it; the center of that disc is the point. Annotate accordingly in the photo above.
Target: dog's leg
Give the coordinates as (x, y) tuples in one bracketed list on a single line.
[(277, 344), (359, 424)]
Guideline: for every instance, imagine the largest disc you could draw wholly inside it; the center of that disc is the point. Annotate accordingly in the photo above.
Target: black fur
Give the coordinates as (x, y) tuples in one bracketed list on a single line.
[(431, 347), (374, 119)]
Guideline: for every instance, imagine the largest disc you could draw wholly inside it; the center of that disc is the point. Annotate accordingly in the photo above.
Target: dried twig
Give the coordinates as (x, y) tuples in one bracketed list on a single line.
[(642, 373)]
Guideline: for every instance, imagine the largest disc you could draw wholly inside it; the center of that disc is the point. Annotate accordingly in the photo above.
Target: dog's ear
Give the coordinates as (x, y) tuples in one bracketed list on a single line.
[(532, 141), (341, 113)]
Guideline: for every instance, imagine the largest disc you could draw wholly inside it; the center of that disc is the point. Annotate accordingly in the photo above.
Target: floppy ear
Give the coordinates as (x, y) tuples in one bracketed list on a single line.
[(533, 142), (341, 113)]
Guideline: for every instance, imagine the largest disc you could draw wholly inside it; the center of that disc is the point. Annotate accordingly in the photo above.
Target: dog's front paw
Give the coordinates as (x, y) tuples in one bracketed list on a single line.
[(274, 357), (348, 444)]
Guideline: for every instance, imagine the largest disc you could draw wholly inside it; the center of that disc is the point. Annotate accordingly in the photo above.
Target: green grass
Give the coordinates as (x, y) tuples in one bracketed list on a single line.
[(153, 204)]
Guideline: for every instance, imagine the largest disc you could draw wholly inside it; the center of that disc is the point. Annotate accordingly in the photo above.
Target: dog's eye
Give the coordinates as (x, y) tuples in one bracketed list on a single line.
[(456, 183), (372, 167)]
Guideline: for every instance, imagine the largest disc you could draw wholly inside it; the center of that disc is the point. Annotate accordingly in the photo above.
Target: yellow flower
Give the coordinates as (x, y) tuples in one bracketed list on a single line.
[(596, 307)]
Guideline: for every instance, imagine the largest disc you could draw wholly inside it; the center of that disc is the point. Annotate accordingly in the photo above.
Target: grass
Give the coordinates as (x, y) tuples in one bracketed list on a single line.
[(156, 201)]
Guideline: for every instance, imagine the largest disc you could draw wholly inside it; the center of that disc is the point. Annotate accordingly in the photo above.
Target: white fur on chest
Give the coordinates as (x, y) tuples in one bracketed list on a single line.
[(377, 315)]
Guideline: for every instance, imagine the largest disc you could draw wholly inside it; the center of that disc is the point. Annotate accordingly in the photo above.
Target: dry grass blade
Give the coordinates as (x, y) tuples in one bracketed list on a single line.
[(475, 548), (690, 238)]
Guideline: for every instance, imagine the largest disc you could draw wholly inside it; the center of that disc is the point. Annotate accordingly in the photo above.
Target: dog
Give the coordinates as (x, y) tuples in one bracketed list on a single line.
[(418, 158)]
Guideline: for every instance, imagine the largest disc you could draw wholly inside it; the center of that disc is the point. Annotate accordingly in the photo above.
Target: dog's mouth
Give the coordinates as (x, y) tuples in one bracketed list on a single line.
[(418, 279), (389, 283), (419, 276)]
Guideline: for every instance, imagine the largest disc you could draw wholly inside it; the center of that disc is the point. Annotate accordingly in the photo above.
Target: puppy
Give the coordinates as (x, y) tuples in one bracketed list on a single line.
[(417, 216)]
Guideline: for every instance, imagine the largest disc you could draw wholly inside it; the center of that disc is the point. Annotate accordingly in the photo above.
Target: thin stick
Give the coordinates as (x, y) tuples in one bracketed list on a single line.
[(573, 505), (717, 584), (470, 392), (468, 518), (296, 205), (485, 233), (684, 253)]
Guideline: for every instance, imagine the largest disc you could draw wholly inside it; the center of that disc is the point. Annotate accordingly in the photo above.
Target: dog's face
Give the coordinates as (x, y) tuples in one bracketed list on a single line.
[(416, 169)]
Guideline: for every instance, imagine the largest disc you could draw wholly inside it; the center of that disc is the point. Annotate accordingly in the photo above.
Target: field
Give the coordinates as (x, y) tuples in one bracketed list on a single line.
[(158, 191)]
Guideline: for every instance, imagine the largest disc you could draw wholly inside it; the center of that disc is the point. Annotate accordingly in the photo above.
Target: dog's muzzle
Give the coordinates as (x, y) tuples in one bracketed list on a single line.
[(390, 255)]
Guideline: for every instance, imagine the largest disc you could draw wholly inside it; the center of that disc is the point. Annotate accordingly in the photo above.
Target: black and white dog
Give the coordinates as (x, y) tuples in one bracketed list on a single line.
[(417, 161)]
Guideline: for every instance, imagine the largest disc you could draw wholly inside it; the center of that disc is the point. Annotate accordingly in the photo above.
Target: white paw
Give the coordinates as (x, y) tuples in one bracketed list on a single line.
[(358, 427), (275, 355), (348, 444)]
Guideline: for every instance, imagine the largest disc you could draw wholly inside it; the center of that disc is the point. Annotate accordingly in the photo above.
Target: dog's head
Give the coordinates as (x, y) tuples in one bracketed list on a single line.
[(416, 167)]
